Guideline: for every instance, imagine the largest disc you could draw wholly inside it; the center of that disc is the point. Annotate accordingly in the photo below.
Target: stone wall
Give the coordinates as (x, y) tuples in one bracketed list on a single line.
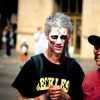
[(32, 14), (90, 25)]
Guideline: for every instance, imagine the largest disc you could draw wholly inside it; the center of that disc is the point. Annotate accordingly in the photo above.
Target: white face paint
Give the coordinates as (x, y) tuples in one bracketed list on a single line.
[(58, 37)]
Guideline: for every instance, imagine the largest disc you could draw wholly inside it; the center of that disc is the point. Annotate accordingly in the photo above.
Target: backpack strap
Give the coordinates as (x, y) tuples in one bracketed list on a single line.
[(39, 64), (70, 62)]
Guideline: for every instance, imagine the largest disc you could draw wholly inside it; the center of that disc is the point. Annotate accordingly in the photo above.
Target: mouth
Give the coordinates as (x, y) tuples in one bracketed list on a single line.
[(97, 58), (58, 47)]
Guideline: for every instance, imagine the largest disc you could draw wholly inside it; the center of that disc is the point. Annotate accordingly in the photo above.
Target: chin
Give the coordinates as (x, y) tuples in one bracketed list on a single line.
[(98, 63), (58, 52)]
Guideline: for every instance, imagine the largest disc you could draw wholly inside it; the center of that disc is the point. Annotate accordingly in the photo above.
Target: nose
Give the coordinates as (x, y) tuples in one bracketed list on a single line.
[(58, 41), (97, 51)]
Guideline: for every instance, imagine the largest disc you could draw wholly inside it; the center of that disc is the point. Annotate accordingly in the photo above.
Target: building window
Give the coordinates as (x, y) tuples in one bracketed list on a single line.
[(70, 6)]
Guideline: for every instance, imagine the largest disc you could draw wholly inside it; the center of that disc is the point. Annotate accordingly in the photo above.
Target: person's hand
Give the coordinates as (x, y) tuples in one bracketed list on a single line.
[(57, 93)]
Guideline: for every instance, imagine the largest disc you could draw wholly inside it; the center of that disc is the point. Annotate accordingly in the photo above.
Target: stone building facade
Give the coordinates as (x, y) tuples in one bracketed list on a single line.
[(32, 14)]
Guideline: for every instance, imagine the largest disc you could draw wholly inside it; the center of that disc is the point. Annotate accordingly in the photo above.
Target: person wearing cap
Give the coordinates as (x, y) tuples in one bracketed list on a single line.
[(91, 82)]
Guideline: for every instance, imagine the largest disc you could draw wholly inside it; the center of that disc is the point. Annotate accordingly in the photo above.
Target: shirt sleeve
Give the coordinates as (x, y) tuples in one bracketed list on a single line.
[(24, 81), (77, 76)]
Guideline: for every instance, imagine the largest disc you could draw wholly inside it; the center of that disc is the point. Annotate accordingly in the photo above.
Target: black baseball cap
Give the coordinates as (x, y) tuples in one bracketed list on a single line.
[(94, 40)]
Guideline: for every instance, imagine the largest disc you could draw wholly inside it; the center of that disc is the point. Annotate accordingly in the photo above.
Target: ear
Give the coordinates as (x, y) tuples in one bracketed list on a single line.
[(68, 35), (47, 35)]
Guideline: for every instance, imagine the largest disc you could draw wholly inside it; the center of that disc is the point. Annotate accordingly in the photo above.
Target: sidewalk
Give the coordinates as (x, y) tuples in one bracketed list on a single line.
[(9, 67)]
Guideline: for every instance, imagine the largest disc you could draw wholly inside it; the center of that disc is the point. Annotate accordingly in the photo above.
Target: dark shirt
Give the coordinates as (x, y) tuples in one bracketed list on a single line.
[(68, 75)]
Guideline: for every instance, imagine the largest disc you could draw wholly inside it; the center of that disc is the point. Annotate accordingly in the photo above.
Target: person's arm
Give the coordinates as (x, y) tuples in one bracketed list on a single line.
[(24, 80), (41, 97), (20, 97)]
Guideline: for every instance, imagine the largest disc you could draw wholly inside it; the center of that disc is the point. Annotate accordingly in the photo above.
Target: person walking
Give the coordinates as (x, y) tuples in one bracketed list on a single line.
[(54, 76), (9, 42)]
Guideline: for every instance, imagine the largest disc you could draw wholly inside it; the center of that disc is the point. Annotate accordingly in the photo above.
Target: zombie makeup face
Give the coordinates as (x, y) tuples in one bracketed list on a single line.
[(58, 38)]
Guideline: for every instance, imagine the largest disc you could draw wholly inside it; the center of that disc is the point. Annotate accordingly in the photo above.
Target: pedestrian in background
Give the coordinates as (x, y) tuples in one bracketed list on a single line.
[(91, 83), (61, 77), (14, 26), (5, 30), (9, 41), (40, 41), (24, 50)]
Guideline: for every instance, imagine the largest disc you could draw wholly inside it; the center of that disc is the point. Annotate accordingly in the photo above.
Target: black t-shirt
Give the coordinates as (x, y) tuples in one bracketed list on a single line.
[(68, 75)]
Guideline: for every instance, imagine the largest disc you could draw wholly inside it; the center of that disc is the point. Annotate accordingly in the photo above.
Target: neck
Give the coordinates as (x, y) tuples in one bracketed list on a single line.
[(53, 57)]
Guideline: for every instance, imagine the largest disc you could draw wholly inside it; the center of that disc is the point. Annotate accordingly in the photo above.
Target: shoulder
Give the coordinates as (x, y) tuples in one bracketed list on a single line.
[(90, 75), (28, 65), (31, 60), (37, 59), (72, 62), (37, 56), (74, 66)]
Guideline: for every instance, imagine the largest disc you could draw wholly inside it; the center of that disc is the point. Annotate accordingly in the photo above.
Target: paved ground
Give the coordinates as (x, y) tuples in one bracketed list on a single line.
[(10, 66)]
